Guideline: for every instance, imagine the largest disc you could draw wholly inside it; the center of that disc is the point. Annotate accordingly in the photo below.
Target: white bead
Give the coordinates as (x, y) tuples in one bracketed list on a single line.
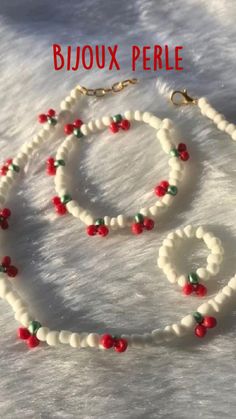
[(218, 118), (146, 117), (175, 163), (52, 338), (202, 102), (166, 146), (121, 220), (172, 276), (84, 129), (92, 126), (25, 319), (75, 93), (153, 210), (214, 259), (221, 298), (155, 122), (65, 105), (42, 333), (163, 134), (202, 273), (234, 135), (176, 174), (188, 321), (228, 291), (205, 309), (107, 220), (179, 233), (179, 329), (200, 232), (167, 123), (189, 231), (4, 287), (64, 336), (164, 251), (162, 261), (138, 116), (222, 125), (113, 223), (83, 340), (230, 129), (182, 280), (144, 211), (106, 120), (168, 243), (168, 199), (213, 268), (214, 305), (93, 340), (89, 220), (75, 340), (129, 115), (232, 283), (11, 297)]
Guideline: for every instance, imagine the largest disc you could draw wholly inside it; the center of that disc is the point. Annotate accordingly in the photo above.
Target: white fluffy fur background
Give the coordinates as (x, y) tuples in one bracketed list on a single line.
[(80, 283)]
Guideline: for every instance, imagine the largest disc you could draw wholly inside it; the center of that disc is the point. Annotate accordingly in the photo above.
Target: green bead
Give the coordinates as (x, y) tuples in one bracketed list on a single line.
[(2, 268), (77, 133), (198, 317), (174, 152), (117, 118), (99, 222), (65, 198), (59, 163), (193, 278), (172, 190), (34, 327), (139, 218), (14, 167), (52, 121)]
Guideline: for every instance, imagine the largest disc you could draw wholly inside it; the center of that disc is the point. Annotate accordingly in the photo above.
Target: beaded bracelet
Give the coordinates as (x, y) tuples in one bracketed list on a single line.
[(145, 217), (33, 332)]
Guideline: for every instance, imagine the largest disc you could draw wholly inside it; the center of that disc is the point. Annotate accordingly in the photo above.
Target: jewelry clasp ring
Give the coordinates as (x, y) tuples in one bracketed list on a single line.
[(185, 99)]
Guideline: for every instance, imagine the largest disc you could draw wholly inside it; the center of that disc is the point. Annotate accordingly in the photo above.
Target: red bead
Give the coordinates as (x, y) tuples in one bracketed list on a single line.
[(125, 124), (209, 322), (33, 341), (137, 228), (200, 331), (42, 118), (50, 161), (182, 147), (201, 290), (3, 170), (188, 289), (51, 113), (120, 345), (51, 170), (148, 223), (23, 333), (8, 162), (5, 213), (61, 209), (6, 261), (160, 191), (56, 200), (68, 129), (91, 230), (184, 155), (4, 225), (103, 230), (114, 127), (12, 271), (165, 184), (107, 341), (77, 123)]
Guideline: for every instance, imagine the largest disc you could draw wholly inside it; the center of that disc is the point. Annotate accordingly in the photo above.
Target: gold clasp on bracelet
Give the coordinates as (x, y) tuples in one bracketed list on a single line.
[(184, 100), (102, 91)]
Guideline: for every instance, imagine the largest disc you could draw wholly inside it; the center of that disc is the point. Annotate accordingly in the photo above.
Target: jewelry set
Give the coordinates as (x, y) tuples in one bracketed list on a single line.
[(192, 284)]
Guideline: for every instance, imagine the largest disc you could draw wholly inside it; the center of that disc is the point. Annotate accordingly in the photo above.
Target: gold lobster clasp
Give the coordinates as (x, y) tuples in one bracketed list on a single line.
[(185, 99)]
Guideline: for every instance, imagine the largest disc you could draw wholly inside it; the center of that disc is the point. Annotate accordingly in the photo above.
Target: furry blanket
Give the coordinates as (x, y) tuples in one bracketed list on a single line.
[(80, 283)]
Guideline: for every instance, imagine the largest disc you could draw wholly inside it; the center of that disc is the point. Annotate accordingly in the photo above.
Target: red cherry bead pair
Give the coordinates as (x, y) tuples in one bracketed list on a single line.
[(59, 206), (141, 223), (5, 213), (116, 126), (199, 289), (101, 230), (43, 117), (183, 153), (119, 344), (162, 188), (208, 322), (9, 269), (51, 169), (24, 334), (69, 128), (4, 169)]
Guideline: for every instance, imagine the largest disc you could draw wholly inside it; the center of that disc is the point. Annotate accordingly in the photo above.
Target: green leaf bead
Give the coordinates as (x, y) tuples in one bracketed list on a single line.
[(99, 222), (117, 118), (14, 168), (174, 152), (59, 163), (52, 121), (193, 278), (198, 317), (65, 199), (172, 190), (2, 268), (77, 133), (139, 218), (34, 327)]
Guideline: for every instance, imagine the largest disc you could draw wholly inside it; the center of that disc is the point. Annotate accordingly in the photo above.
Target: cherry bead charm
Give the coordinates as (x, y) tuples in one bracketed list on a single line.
[(60, 206), (52, 165), (74, 128), (29, 335), (119, 344), (49, 117), (119, 123), (164, 187), (8, 165), (204, 323), (5, 213), (7, 268), (99, 228), (193, 286), (141, 223), (181, 152)]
